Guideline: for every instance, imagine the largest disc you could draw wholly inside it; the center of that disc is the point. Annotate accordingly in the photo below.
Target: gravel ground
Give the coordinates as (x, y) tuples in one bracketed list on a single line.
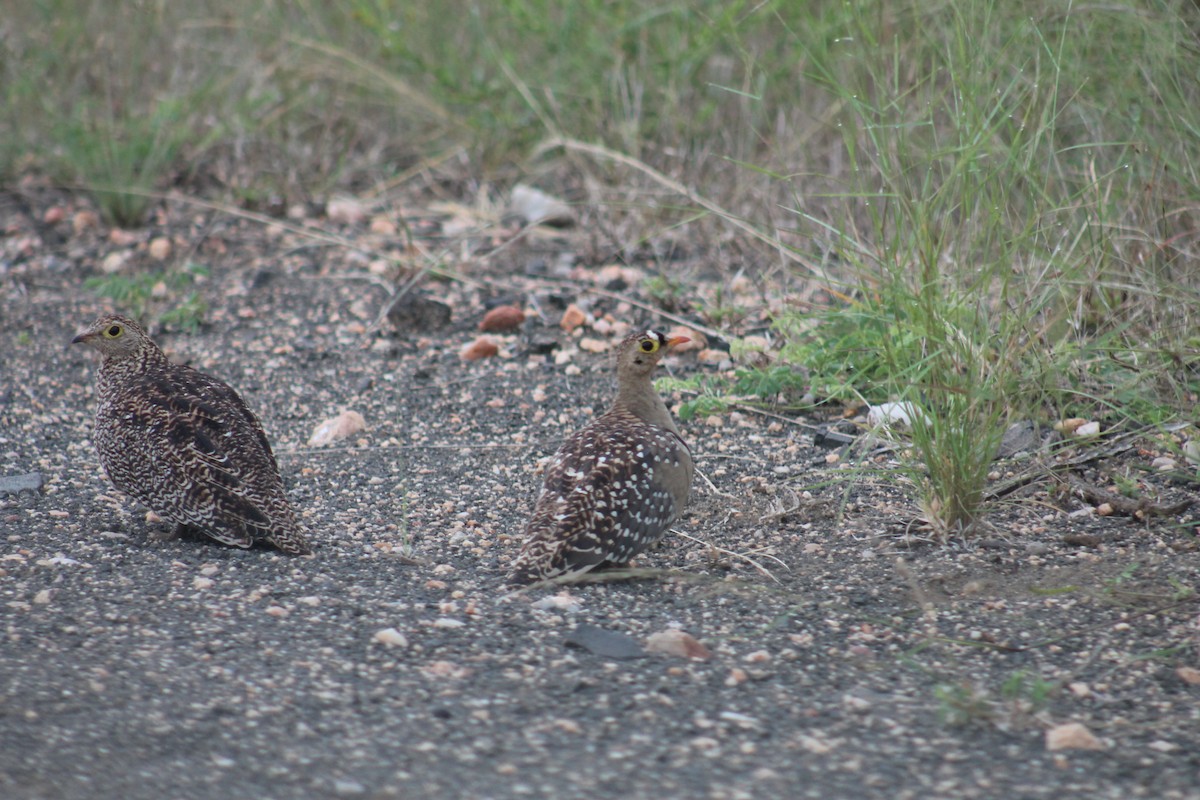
[(858, 661)]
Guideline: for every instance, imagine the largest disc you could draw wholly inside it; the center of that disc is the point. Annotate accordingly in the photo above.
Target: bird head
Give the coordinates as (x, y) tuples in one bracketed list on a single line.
[(641, 352), (114, 336)]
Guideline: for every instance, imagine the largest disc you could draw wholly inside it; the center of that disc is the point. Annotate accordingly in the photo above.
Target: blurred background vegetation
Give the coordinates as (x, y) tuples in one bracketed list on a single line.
[(1001, 200)]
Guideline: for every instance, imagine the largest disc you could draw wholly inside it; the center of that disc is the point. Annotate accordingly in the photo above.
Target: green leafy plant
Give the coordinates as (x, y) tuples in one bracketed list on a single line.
[(138, 293), (960, 704)]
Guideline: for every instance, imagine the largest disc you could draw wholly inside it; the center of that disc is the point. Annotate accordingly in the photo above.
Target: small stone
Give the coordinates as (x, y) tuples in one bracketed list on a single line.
[(481, 348), (814, 745), (84, 221), (115, 261), (1088, 429), (502, 319), (1163, 746), (1072, 736), (26, 482), (609, 644), (535, 206), (1189, 675), (54, 215), (345, 787), (591, 345), (1164, 464), (42, 597), (345, 424), (899, 415), (736, 677), (276, 611), (390, 637), (383, 226), (202, 583), (1104, 510), (418, 313), (122, 238), (445, 669), (345, 210), (674, 642), (160, 248), (563, 601), (757, 657), (1069, 425), (854, 702), (572, 318), (448, 622)]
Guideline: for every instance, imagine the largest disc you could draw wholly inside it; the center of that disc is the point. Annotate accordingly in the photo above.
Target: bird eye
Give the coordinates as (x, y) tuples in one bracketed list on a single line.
[(112, 331), (649, 345)]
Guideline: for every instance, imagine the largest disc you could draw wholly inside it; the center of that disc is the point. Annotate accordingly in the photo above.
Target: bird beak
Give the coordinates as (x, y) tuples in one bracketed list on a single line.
[(83, 337), (677, 340)]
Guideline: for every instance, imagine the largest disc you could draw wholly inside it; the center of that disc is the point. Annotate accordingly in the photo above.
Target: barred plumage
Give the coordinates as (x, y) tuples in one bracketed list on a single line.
[(185, 444), (614, 487)]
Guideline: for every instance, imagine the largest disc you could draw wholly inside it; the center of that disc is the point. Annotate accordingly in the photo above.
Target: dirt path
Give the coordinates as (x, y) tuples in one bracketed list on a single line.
[(863, 665)]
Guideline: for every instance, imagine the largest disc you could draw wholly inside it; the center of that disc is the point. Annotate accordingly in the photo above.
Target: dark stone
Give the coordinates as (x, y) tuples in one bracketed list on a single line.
[(601, 642)]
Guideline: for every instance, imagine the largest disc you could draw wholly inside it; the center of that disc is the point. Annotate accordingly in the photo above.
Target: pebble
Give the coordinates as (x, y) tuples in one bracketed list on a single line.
[(563, 601), (502, 319), (592, 345), (1072, 736), (28, 482), (535, 206), (483, 347), (899, 414), (674, 642), (1164, 464), (736, 677), (606, 643), (345, 210), (115, 261), (84, 221), (390, 637), (382, 225), (345, 424), (1189, 675), (572, 318), (160, 248), (344, 787)]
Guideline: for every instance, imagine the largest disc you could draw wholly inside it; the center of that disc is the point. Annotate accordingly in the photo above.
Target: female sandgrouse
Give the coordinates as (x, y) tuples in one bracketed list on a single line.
[(185, 444), (614, 487)]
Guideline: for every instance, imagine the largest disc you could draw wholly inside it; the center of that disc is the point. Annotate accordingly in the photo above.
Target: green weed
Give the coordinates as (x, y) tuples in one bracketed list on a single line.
[(139, 293)]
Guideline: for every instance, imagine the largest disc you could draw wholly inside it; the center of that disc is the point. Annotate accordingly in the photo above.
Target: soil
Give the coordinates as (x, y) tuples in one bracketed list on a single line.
[(846, 652)]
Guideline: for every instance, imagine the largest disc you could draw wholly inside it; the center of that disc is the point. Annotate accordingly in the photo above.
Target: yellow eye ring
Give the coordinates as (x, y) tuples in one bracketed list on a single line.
[(112, 331), (649, 345)]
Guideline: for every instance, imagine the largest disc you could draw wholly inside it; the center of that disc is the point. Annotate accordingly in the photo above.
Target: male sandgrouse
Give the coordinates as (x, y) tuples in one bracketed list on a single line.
[(185, 444), (614, 487)]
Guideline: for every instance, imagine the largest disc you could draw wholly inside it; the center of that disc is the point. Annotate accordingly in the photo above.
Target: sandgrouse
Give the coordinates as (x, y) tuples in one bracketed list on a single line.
[(185, 444), (615, 486)]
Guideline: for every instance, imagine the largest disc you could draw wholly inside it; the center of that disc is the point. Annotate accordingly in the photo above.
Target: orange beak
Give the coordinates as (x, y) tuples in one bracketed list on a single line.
[(677, 340)]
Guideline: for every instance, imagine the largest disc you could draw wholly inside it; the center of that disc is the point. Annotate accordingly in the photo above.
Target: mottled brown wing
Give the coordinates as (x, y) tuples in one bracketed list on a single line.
[(190, 449), (609, 493)]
